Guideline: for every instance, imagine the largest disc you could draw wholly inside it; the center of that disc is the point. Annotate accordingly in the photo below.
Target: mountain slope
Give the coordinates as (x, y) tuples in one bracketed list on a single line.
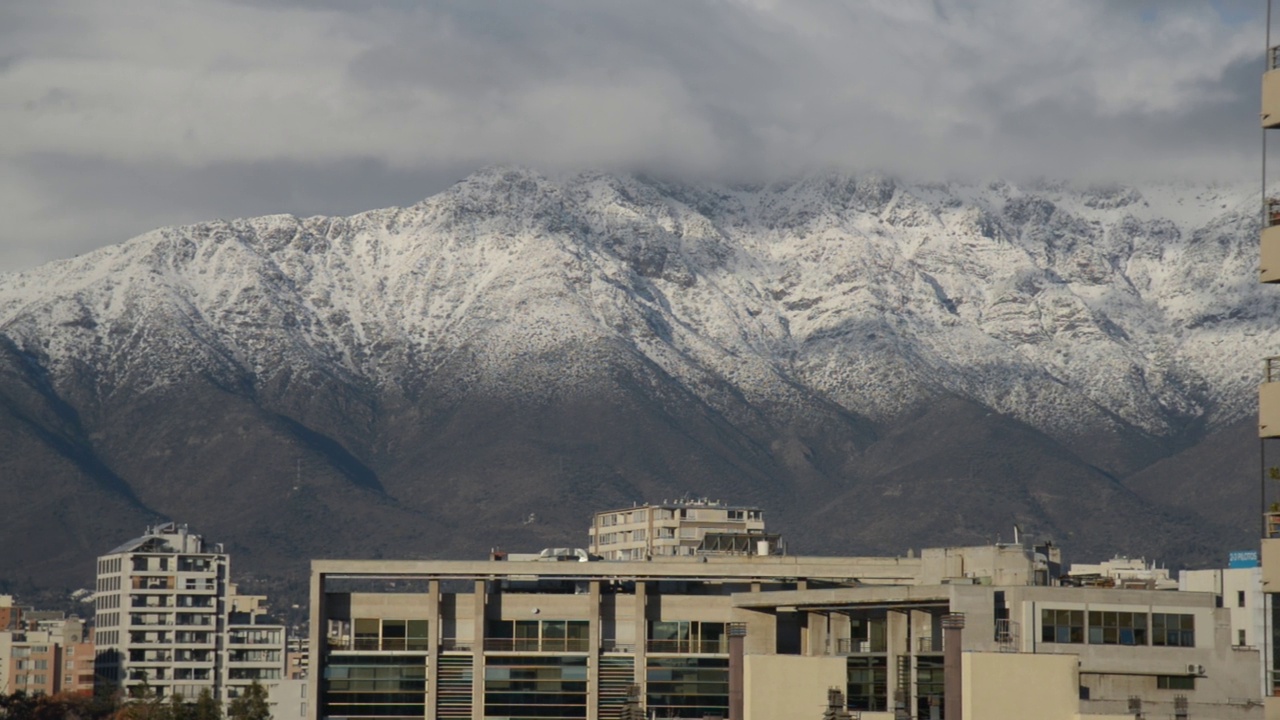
[(879, 364)]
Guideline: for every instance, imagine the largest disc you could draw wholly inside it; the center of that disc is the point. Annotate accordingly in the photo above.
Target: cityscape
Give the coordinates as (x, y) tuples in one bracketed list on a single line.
[(839, 361)]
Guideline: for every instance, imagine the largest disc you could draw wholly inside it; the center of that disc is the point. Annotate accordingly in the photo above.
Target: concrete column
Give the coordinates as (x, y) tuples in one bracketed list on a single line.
[(316, 641), (737, 668), (433, 648), (897, 624), (952, 631), (478, 598), (816, 627), (593, 661), (641, 634)]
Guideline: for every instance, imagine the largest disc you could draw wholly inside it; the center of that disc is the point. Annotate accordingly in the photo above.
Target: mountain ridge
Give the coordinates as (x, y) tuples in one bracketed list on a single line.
[(777, 337)]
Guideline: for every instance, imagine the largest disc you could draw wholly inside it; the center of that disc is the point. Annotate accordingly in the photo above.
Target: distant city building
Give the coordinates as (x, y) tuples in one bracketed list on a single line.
[(1239, 590), (682, 528), (47, 654), (1121, 572), (168, 617), (766, 637), (10, 614)]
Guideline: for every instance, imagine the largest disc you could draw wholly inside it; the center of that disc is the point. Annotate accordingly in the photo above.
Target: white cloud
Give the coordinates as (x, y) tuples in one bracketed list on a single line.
[(209, 91)]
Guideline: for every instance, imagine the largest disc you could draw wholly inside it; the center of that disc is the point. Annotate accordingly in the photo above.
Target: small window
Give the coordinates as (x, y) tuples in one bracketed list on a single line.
[(1175, 682), (1240, 600), (1240, 637)]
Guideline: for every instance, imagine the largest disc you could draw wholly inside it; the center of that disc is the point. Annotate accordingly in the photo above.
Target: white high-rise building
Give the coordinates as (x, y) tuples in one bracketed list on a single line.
[(166, 619)]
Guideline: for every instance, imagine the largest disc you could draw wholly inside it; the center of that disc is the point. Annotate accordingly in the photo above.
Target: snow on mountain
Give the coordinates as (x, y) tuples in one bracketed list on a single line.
[(1072, 309)]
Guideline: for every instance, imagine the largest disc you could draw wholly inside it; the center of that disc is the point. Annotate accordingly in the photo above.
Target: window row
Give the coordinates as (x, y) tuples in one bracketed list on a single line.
[(1117, 628)]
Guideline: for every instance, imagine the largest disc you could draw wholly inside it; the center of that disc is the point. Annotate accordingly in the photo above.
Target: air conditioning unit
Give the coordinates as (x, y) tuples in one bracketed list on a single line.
[(1191, 669)]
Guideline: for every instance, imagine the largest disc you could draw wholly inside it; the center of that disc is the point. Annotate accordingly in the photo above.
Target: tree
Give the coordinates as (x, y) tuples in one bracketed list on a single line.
[(143, 704), (207, 708), (18, 706), (252, 705), (179, 709)]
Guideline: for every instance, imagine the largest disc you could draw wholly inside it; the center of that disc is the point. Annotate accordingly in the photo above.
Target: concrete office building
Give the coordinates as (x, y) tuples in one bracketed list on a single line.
[(1239, 590), (680, 528), (167, 616), (761, 637)]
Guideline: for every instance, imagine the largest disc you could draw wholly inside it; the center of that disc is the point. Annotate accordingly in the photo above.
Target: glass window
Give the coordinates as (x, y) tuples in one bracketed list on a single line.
[(1062, 626), (417, 635), (1173, 629), (1117, 628), (1175, 682), (393, 634), (366, 633), (868, 683)]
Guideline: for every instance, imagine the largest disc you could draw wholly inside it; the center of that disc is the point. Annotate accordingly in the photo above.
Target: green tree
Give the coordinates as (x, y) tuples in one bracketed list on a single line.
[(207, 708), (143, 704), (18, 706), (252, 705), (179, 708)]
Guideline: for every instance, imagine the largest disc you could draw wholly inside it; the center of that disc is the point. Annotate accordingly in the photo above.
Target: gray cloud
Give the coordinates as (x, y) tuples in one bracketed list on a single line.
[(122, 116)]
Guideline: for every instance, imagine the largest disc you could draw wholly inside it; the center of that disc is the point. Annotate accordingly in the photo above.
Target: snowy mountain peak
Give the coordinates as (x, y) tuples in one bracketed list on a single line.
[(1071, 309)]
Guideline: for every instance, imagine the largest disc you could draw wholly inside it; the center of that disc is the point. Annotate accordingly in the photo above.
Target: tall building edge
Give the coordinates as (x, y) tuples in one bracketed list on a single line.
[(1269, 391)]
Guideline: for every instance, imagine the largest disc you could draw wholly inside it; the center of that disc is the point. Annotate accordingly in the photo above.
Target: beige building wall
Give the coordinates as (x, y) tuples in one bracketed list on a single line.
[(785, 687), (1018, 686)]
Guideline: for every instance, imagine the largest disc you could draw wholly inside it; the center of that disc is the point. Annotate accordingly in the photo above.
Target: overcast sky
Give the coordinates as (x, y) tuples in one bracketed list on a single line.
[(120, 116)]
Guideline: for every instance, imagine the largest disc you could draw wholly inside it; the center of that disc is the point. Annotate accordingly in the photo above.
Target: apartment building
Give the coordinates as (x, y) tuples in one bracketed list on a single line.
[(10, 613), (757, 637), (34, 662), (47, 653), (167, 616), (681, 528), (1269, 387)]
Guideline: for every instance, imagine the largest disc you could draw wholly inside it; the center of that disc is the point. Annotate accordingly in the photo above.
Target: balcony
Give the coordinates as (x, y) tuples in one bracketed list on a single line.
[(572, 645), (689, 646), (1269, 262), (1270, 561), (1271, 90), (1269, 399)]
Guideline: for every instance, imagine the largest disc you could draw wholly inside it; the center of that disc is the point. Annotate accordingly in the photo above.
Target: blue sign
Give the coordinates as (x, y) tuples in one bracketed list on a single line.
[(1243, 559)]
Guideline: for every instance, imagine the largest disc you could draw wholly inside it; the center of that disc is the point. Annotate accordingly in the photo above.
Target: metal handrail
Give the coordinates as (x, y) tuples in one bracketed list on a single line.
[(689, 646), (536, 645), (1271, 369)]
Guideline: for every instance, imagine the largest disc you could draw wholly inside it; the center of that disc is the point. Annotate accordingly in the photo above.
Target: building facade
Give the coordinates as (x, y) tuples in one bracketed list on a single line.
[(692, 637), (1269, 391), (48, 654), (683, 528), (168, 619)]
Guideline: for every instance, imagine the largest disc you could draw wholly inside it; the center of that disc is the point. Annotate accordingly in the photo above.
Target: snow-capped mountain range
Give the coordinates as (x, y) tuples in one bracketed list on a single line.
[(1080, 312)]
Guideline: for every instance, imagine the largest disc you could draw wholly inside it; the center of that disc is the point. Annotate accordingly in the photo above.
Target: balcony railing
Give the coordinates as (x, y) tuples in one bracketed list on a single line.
[(1271, 369), (1272, 523), (928, 644), (689, 646), (455, 644), (574, 645), (1273, 57)]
